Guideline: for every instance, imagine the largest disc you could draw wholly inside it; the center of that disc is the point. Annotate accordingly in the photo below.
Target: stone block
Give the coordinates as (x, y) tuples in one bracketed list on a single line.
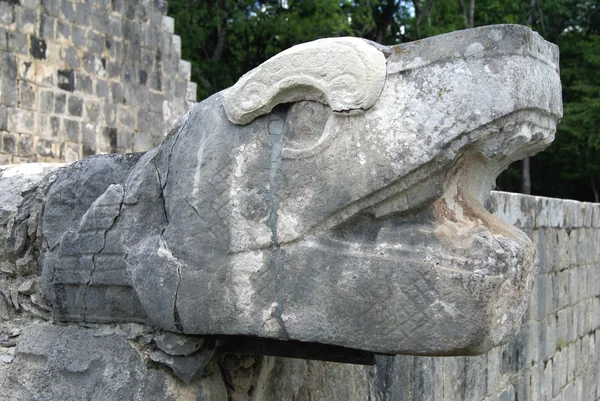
[(126, 116), (67, 11), (142, 142), (47, 26), (149, 36), (84, 83), (561, 289), (113, 70), (176, 47), (115, 25), (10, 143), (181, 89), (75, 105), (71, 56), (53, 51), (3, 40), (3, 118), (579, 319), (143, 121), (573, 290), (8, 92), (4, 158), (49, 126), (587, 211), (51, 7), (564, 251), (27, 95), (547, 341), (89, 134), (72, 130), (26, 19), (559, 376), (7, 13), (110, 137), (165, 44), (191, 92), (78, 36), (534, 387), (542, 296), (83, 12), (70, 152), (93, 110), (30, 3), (26, 145), (168, 24), (110, 114), (102, 90), (46, 148), (595, 214), (63, 31), (141, 96), (125, 140), (21, 121), (573, 213), (563, 328), (60, 102), (533, 342), (95, 42), (17, 42), (555, 212)]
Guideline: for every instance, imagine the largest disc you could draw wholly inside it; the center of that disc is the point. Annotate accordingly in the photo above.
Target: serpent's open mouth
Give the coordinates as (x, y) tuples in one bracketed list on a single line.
[(444, 220), (447, 257)]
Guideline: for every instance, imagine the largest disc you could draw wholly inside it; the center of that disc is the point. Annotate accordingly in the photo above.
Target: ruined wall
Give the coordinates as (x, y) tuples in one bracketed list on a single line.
[(83, 77), (555, 355)]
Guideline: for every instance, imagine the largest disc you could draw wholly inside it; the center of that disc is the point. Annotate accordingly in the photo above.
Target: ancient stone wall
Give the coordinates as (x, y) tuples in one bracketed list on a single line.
[(83, 77), (555, 355)]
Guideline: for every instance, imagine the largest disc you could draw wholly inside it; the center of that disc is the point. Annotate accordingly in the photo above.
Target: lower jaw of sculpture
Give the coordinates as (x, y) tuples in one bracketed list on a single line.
[(448, 279)]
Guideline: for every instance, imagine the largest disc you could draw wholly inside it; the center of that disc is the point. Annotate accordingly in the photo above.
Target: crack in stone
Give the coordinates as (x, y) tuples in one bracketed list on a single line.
[(176, 317), (275, 127), (87, 285), (169, 255)]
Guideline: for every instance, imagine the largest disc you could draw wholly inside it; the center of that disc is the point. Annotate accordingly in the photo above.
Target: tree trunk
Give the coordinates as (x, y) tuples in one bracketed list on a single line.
[(531, 20), (525, 176), (221, 32), (472, 14), (468, 15), (595, 189), (525, 168)]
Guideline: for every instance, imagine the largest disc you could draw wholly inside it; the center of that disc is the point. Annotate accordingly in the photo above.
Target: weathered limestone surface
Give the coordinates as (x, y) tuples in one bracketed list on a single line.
[(352, 217)]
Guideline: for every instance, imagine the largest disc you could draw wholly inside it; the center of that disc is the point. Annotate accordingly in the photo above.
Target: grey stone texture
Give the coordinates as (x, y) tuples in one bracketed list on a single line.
[(73, 51)]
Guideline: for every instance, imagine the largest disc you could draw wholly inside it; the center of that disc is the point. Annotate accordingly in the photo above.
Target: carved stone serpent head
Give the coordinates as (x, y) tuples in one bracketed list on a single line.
[(334, 195)]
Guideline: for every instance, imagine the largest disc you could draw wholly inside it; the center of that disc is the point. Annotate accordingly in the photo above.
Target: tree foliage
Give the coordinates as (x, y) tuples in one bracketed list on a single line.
[(226, 38)]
